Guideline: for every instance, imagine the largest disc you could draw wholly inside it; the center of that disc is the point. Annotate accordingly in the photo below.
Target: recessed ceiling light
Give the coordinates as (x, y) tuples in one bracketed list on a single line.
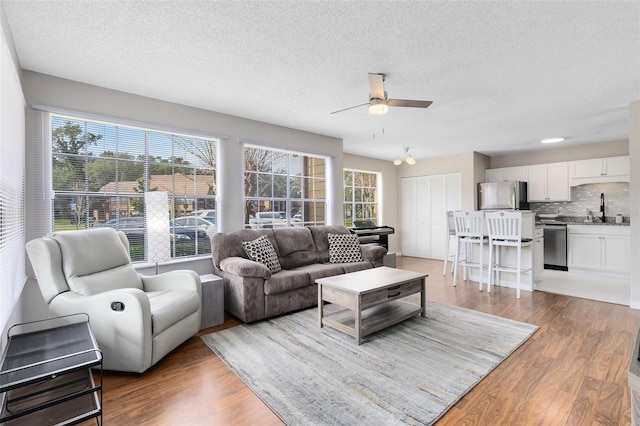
[(552, 140)]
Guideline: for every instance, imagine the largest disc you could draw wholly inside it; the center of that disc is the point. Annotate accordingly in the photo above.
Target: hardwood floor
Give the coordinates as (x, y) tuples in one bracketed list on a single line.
[(573, 371)]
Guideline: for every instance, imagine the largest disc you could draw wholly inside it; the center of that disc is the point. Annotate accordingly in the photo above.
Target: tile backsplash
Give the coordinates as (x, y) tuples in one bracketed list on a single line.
[(587, 197)]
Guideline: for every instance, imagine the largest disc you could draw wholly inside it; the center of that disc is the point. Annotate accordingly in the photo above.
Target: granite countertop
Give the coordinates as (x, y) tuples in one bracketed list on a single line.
[(581, 220)]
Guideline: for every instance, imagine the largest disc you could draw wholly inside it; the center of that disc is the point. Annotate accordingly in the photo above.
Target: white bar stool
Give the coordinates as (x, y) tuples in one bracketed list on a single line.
[(451, 234), (505, 230), (469, 227)]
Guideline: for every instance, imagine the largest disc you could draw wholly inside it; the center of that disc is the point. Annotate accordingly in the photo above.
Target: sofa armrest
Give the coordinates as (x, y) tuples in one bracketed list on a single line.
[(372, 252), (244, 267)]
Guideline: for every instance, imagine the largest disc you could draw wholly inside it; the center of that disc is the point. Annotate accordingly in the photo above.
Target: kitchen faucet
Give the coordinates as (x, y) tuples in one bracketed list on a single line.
[(602, 207)]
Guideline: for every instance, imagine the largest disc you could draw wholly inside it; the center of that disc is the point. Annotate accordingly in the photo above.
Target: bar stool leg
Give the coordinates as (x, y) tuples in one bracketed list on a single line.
[(455, 263), (498, 263), (518, 281), (489, 275), (481, 248), (466, 261), (446, 256)]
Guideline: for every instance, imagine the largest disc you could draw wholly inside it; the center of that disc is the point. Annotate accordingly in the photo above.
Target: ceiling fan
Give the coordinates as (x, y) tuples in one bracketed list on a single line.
[(379, 103)]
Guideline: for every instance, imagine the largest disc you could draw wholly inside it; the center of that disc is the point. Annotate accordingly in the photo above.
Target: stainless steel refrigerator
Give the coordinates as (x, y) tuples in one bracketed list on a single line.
[(511, 195)]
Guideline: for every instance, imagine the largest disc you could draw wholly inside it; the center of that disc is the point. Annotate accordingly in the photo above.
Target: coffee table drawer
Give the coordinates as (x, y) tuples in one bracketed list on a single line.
[(391, 293)]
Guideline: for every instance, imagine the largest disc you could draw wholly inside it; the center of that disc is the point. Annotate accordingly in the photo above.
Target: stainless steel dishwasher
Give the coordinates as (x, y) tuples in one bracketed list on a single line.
[(555, 246)]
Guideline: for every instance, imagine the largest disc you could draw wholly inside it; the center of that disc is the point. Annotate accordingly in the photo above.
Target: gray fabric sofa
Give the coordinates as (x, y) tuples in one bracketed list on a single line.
[(252, 292)]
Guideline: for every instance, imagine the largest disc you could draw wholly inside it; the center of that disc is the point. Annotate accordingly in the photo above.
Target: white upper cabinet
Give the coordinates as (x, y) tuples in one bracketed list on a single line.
[(548, 182), (597, 170), (507, 174)]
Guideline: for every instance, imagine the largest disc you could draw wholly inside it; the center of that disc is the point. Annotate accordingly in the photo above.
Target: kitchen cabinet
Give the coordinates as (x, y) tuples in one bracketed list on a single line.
[(538, 254), (597, 170), (548, 182), (602, 249), (506, 174)]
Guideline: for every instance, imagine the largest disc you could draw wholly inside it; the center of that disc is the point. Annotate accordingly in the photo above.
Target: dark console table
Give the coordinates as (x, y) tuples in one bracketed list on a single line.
[(369, 233), (46, 373)]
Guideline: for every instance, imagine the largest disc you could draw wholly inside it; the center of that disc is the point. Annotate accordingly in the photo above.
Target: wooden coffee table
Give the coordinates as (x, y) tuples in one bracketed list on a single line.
[(373, 299)]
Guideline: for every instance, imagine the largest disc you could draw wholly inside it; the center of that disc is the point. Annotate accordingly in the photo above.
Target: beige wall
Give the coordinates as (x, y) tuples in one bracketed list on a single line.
[(558, 153), (60, 95), (391, 199), (464, 163), (471, 166)]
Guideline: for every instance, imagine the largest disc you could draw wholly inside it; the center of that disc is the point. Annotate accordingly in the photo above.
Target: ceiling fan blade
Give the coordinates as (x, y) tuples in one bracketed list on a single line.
[(352, 107), (376, 86), (408, 103)]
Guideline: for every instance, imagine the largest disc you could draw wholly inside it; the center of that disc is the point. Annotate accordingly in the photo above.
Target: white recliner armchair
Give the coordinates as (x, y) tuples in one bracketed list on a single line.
[(136, 319)]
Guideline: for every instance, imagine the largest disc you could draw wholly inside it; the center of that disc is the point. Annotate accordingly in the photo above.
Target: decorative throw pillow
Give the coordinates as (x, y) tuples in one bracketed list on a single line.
[(261, 250), (344, 248)]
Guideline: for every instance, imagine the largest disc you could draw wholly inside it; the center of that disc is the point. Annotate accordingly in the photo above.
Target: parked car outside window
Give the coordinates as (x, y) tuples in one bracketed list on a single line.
[(133, 228), (194, 222), (208, 215), (273, 220)]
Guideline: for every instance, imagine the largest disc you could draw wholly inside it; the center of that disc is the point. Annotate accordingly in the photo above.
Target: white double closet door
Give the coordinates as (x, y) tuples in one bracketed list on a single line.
[(425, 202)]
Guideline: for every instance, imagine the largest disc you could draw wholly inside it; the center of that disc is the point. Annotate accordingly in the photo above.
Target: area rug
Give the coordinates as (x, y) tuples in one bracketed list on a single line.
[(410, 373)]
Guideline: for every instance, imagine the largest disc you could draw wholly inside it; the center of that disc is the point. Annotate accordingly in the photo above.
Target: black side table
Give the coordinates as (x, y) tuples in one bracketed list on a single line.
[(45, 373)]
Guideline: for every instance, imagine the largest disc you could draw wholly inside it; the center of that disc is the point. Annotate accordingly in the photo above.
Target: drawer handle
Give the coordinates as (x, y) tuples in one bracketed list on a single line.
[(393, 288), (394, 295)]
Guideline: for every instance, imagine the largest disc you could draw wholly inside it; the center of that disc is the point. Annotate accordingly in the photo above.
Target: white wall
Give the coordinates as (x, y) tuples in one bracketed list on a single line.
[(634, 202), (555, 153)]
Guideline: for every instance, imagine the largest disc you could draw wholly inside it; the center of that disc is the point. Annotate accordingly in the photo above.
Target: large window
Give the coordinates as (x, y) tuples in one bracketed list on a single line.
[(102, 170), (12, 185), (283, 188), (361, 200)]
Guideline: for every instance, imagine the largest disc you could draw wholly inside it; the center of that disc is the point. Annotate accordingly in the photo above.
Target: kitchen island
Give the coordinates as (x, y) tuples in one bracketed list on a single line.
[(532, 257)]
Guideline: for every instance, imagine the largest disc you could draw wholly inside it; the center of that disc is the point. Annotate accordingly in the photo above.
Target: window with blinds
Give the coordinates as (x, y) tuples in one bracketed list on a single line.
[(101, 170), (283, 188), (361, 200), (12, 184)]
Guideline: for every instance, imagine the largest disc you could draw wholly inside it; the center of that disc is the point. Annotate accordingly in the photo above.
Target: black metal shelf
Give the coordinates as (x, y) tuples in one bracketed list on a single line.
[(46, 373)]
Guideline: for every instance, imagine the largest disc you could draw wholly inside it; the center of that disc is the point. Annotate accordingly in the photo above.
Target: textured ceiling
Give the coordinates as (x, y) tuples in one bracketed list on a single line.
[(501, 75)]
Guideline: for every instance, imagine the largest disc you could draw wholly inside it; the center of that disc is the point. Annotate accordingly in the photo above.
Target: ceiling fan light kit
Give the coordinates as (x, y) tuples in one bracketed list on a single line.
[(406, 157), (378, 107)]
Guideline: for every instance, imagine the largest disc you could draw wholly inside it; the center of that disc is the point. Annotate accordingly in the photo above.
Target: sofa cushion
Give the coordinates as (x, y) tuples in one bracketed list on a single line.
[(344, 248), (319, 234), (295, 246), (321, 270), (286, 280), (355, 266), (261, 250)]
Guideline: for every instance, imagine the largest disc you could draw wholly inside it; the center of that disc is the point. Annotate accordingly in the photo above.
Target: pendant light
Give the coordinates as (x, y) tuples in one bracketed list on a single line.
[(406, 156)]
